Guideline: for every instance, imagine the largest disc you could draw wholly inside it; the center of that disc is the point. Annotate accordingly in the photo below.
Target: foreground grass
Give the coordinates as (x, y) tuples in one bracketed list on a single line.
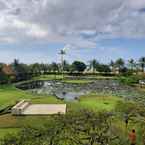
[(4, 131), (12, 124), (9, 95), (95, 102)]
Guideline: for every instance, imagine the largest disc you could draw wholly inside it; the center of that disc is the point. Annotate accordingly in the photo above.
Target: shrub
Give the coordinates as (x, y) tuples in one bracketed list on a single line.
[(78, 128)]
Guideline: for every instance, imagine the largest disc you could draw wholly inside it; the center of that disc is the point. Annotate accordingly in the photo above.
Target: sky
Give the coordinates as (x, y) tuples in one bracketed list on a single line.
[(36, 30)]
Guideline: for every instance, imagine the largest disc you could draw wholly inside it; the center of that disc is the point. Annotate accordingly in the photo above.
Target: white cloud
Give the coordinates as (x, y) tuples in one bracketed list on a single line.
[(67, 21)]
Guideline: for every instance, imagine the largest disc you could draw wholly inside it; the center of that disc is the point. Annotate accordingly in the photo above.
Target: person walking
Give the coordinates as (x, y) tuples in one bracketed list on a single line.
[(132, 137)]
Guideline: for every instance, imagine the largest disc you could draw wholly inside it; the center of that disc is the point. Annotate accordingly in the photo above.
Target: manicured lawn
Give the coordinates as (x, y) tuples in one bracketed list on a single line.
[(97, 102), (59, 77), (9, 95), (48, 77), (5, 131), (78, 81)]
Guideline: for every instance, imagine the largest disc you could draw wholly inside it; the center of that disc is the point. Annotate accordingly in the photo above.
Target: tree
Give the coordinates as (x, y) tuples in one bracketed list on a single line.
[(36, 69), (66, 66), (120, 64), (112, 65), (131, 64), (21, 70), (78, 66), (54, 67), (103, 68), (3, 77), (93, 64), (44, 68), (142, 63), (77, 128)]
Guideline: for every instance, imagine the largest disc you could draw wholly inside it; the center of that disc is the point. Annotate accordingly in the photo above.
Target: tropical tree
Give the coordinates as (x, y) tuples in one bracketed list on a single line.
[(103, 68), (131, 63), (66, 66), (21, 70), (82, 128), (142, 63), (93, 64), (112, 65), (78, 66), (120, 64), (54, 67), (3, 77)]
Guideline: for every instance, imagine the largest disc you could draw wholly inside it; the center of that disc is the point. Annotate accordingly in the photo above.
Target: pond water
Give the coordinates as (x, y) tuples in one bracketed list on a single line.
[(71, 91), (61, 90)]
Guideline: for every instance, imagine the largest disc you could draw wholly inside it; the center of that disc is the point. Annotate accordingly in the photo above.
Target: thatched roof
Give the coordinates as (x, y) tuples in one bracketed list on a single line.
[(7, 69)]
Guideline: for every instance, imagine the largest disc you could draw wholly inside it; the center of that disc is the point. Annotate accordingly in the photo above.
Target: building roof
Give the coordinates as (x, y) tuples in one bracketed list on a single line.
[(7, 69)]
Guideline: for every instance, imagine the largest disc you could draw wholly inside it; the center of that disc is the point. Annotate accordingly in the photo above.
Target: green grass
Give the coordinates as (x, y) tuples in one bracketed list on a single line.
[(48, 77), (5, 131), (99, 103), (95, 102), (92, 102), (77, 81), (9, 95), (46, 100)]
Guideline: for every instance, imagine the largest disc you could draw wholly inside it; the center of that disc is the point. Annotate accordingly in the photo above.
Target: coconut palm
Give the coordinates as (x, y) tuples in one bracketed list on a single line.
[(93, 64), (119, 64), (142, 63), (131, 63), (112, 65)]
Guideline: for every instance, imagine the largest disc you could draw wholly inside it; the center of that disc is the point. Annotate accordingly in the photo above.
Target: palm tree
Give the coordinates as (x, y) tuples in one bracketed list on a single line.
[(131, 63), (93, 63), (120, 63), (112, 65), (66, 66), (54, 67), (142, 63), (62, 53)]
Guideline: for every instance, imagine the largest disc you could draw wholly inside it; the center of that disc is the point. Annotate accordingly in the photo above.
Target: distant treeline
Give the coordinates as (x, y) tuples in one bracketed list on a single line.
[(17, 71)]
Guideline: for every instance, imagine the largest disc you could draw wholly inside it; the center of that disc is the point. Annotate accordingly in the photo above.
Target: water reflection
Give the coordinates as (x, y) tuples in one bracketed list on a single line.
[(68, 95)]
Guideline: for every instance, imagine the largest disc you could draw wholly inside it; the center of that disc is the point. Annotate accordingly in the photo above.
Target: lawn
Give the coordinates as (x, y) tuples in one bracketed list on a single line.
[(12, 124), (99, 103), (9, 95), (4, 131), (96, 102), (48, 77), (66, 77), (77, 81)]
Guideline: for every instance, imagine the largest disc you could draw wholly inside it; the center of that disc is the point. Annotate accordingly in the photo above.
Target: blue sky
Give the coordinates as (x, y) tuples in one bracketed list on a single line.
[(47, 52), (36, 30)]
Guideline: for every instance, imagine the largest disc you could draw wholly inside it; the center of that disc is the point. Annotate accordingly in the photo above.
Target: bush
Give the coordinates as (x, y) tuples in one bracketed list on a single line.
[(78, 128), (130, 80)]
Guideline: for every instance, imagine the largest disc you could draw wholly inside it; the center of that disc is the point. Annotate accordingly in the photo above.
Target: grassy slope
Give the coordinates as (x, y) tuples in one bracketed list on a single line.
[(9, 95)]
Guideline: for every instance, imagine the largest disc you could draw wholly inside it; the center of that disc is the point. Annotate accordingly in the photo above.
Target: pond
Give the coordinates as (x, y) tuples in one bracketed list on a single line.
[(72, 91)]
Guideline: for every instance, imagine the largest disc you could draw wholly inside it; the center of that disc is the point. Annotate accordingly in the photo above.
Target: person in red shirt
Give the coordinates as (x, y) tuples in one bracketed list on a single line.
[(132, 137)]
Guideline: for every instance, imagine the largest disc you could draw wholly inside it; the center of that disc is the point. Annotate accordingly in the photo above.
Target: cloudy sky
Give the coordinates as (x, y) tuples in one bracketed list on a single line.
[(36, 30)]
